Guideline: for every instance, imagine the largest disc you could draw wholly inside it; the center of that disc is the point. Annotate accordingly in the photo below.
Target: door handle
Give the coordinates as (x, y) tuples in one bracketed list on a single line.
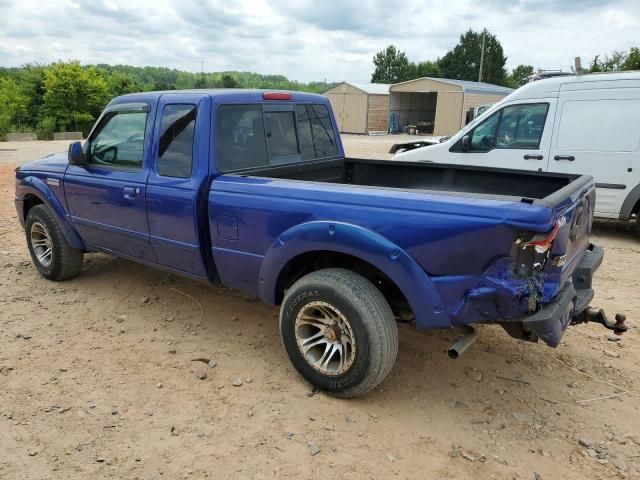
[(533, 157), (131, 192), (571, 158)]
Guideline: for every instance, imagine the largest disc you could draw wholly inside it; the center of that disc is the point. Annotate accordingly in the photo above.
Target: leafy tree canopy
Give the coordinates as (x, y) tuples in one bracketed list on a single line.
[(519, 75), (69, 96), (463, 61), (616, 61), (391, 66), (73, 95)]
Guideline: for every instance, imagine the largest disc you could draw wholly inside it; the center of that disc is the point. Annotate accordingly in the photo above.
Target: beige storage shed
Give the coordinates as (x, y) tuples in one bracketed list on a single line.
[(360, 107), (442, 102)]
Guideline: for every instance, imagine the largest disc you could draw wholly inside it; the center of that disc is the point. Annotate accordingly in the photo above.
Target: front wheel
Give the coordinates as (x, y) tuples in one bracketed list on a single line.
[(54, 258), (339, 332)]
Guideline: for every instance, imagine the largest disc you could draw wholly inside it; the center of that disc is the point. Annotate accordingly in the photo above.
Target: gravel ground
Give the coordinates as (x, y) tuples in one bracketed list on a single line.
[(99, 378)]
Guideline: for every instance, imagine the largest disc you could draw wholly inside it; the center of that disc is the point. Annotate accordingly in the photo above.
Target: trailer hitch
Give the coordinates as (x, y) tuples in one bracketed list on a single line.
[(598, 316)]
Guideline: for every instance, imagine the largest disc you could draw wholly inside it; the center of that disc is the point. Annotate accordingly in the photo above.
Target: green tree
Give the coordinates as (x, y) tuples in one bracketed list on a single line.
[(391, 66), (463, 61), (428, 69), (13, 103), (120, 84), (520, 74), (608, 63), (31, 81), (227, 81), (632, 62), (13, 106), (73, 95)]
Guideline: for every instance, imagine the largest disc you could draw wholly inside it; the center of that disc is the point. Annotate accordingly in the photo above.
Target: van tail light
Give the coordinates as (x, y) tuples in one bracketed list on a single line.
[(276, 96)]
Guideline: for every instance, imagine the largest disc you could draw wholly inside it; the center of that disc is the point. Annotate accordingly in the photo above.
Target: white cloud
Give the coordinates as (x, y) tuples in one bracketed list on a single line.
[(617, 19), (307, 39)]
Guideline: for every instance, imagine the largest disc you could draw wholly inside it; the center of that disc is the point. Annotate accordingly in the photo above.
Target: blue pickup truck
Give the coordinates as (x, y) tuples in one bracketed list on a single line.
[(252, 189)]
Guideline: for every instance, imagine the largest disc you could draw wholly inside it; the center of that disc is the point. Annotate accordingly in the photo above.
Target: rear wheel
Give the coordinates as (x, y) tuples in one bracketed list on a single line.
[(339, 332), (54, 258)]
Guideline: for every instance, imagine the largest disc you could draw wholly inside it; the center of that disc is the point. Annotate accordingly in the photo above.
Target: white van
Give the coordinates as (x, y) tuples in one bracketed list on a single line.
[(583, 124)]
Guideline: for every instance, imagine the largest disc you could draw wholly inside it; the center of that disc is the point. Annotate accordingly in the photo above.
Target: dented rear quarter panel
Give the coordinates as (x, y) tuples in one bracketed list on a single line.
[(461, 243)]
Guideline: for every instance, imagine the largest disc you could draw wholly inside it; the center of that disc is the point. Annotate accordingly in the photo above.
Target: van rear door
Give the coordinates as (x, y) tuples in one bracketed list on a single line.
[(596, 133), (517, 136)]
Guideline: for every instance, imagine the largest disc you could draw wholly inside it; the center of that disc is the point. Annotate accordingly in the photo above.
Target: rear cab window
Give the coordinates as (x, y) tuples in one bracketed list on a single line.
[(262, 135), (175, 149)]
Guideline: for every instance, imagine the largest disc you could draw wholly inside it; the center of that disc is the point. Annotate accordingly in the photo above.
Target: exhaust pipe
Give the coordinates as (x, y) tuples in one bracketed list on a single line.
[(464, 342)]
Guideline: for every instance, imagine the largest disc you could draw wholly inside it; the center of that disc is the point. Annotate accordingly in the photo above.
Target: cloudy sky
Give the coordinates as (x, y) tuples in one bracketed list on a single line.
[(306, 39)]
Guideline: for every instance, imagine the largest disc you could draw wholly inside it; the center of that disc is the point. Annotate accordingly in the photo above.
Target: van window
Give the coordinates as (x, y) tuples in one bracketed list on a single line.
[(175, 152), (599, 126), (521, 126), (484, 134), (515, 126), (250, 136)]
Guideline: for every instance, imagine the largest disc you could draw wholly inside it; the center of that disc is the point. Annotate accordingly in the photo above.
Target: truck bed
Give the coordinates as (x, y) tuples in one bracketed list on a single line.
[(529, 186)]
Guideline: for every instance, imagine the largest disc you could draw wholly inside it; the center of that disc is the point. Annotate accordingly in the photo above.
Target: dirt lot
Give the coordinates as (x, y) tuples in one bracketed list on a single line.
[(98, 379)]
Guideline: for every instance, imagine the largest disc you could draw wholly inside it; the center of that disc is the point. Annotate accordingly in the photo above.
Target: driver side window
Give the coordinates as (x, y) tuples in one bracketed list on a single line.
[(522, 125), (484, 134), (119, 140)]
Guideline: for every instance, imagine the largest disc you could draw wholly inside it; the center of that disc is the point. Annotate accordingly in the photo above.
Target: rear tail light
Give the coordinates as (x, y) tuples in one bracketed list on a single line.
[(531, 250), (276, 96), (542, 243)]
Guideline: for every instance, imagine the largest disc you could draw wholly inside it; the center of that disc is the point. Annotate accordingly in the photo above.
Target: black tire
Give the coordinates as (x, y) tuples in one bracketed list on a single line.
[(65, 261), (369, 320)]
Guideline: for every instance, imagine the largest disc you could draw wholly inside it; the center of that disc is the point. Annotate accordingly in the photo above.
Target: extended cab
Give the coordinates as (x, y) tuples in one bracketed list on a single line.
[(251, 189)]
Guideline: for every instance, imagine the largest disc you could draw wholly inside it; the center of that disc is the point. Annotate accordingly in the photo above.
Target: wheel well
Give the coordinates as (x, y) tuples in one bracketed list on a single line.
[(309, 262), (30, 201), (636, 209)]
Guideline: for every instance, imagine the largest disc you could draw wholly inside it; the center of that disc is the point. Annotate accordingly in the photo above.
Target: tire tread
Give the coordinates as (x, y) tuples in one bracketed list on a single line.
[(70, 259), (381, 326)]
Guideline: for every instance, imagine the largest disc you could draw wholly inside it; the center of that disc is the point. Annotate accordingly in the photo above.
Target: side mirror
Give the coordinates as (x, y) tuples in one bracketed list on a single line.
[(76, 154), (466, 143)]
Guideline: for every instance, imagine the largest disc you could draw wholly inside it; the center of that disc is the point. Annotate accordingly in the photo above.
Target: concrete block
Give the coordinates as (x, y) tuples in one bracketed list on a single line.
[(67, 136), (21, 137)]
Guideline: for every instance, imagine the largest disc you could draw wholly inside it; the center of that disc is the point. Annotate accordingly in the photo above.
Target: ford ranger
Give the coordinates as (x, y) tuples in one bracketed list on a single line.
[(252, 189)]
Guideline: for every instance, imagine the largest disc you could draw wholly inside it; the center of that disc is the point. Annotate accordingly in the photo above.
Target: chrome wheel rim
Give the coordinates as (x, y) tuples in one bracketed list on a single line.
[(41, 244), (325, 338)]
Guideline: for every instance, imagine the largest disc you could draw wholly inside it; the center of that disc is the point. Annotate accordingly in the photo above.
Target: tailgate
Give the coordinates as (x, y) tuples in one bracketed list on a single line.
[(569, 240)]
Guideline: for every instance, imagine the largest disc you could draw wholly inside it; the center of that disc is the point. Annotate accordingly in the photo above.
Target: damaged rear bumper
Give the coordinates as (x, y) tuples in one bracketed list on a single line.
[(550, 322)]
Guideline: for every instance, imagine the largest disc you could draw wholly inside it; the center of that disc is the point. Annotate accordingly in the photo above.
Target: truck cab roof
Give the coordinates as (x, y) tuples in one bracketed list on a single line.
[(222, 95)]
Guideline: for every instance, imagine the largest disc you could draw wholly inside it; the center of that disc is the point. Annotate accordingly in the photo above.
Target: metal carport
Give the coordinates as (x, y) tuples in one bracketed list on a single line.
[(442, 101)]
